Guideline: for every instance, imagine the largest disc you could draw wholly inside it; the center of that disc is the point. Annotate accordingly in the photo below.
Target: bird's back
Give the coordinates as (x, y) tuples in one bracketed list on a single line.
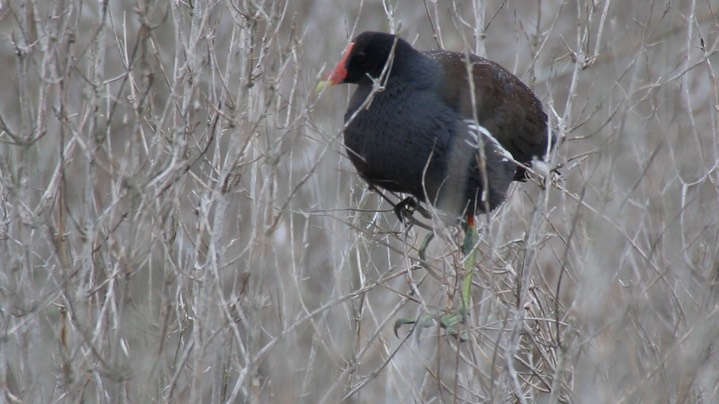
[(502, 104)]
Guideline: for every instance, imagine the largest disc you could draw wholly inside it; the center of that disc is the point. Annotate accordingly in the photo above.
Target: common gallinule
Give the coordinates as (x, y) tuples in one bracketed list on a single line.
[(420, 123), (418, 132)]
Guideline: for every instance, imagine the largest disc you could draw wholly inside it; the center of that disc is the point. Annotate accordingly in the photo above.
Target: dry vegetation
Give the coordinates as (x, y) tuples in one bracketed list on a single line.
[(178, 222)]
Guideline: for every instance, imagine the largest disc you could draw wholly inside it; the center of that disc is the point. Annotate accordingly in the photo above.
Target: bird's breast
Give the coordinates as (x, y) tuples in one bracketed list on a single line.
[(398, 140)]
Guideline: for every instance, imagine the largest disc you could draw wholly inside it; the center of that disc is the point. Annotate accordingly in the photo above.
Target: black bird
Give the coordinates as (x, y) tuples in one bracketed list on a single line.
[(446, 127), (420, 133)]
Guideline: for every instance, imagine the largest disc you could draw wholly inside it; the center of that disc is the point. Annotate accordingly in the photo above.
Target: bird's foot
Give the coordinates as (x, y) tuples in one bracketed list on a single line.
[(448, 322), (405, 208)]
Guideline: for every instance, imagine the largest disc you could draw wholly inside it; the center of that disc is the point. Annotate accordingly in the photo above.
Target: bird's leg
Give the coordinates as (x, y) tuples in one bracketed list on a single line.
[(422, 264), (407, 206), (423, 248), (470, 259), (405, 209), (450, 320)]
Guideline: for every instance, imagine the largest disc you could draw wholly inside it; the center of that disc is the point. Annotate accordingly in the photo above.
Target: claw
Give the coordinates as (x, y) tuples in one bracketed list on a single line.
[(447, 322), (407, 206)]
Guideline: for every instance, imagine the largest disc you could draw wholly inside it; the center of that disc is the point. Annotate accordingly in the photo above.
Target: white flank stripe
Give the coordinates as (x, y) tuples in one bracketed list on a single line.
[(475, 129)]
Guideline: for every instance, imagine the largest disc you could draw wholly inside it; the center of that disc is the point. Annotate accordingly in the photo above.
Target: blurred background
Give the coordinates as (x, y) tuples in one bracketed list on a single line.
[(179, 221)]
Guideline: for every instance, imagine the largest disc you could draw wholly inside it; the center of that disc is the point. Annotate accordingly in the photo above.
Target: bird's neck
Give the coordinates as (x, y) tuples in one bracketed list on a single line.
[(419, 70), (410, 68)]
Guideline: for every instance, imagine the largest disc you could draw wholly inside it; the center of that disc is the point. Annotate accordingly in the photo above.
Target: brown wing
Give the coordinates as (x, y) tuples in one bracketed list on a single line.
[(504, 105)]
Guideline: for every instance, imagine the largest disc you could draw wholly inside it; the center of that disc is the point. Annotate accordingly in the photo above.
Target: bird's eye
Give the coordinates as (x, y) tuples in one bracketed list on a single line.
[(359, 56)]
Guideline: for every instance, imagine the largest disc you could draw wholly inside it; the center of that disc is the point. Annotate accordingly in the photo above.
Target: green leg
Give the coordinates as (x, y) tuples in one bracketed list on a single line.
[(423, 247), (470, 259), (448, 321)]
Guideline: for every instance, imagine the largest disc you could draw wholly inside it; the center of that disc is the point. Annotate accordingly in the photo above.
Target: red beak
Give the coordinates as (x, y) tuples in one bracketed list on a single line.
[(339, 73)]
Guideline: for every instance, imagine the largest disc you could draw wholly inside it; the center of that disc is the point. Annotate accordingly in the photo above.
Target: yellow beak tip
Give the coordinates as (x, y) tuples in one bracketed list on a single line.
[(322, 85)]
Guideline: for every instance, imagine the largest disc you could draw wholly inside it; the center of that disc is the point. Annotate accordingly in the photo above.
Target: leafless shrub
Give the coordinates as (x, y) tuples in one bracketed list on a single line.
[(180, 224)]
